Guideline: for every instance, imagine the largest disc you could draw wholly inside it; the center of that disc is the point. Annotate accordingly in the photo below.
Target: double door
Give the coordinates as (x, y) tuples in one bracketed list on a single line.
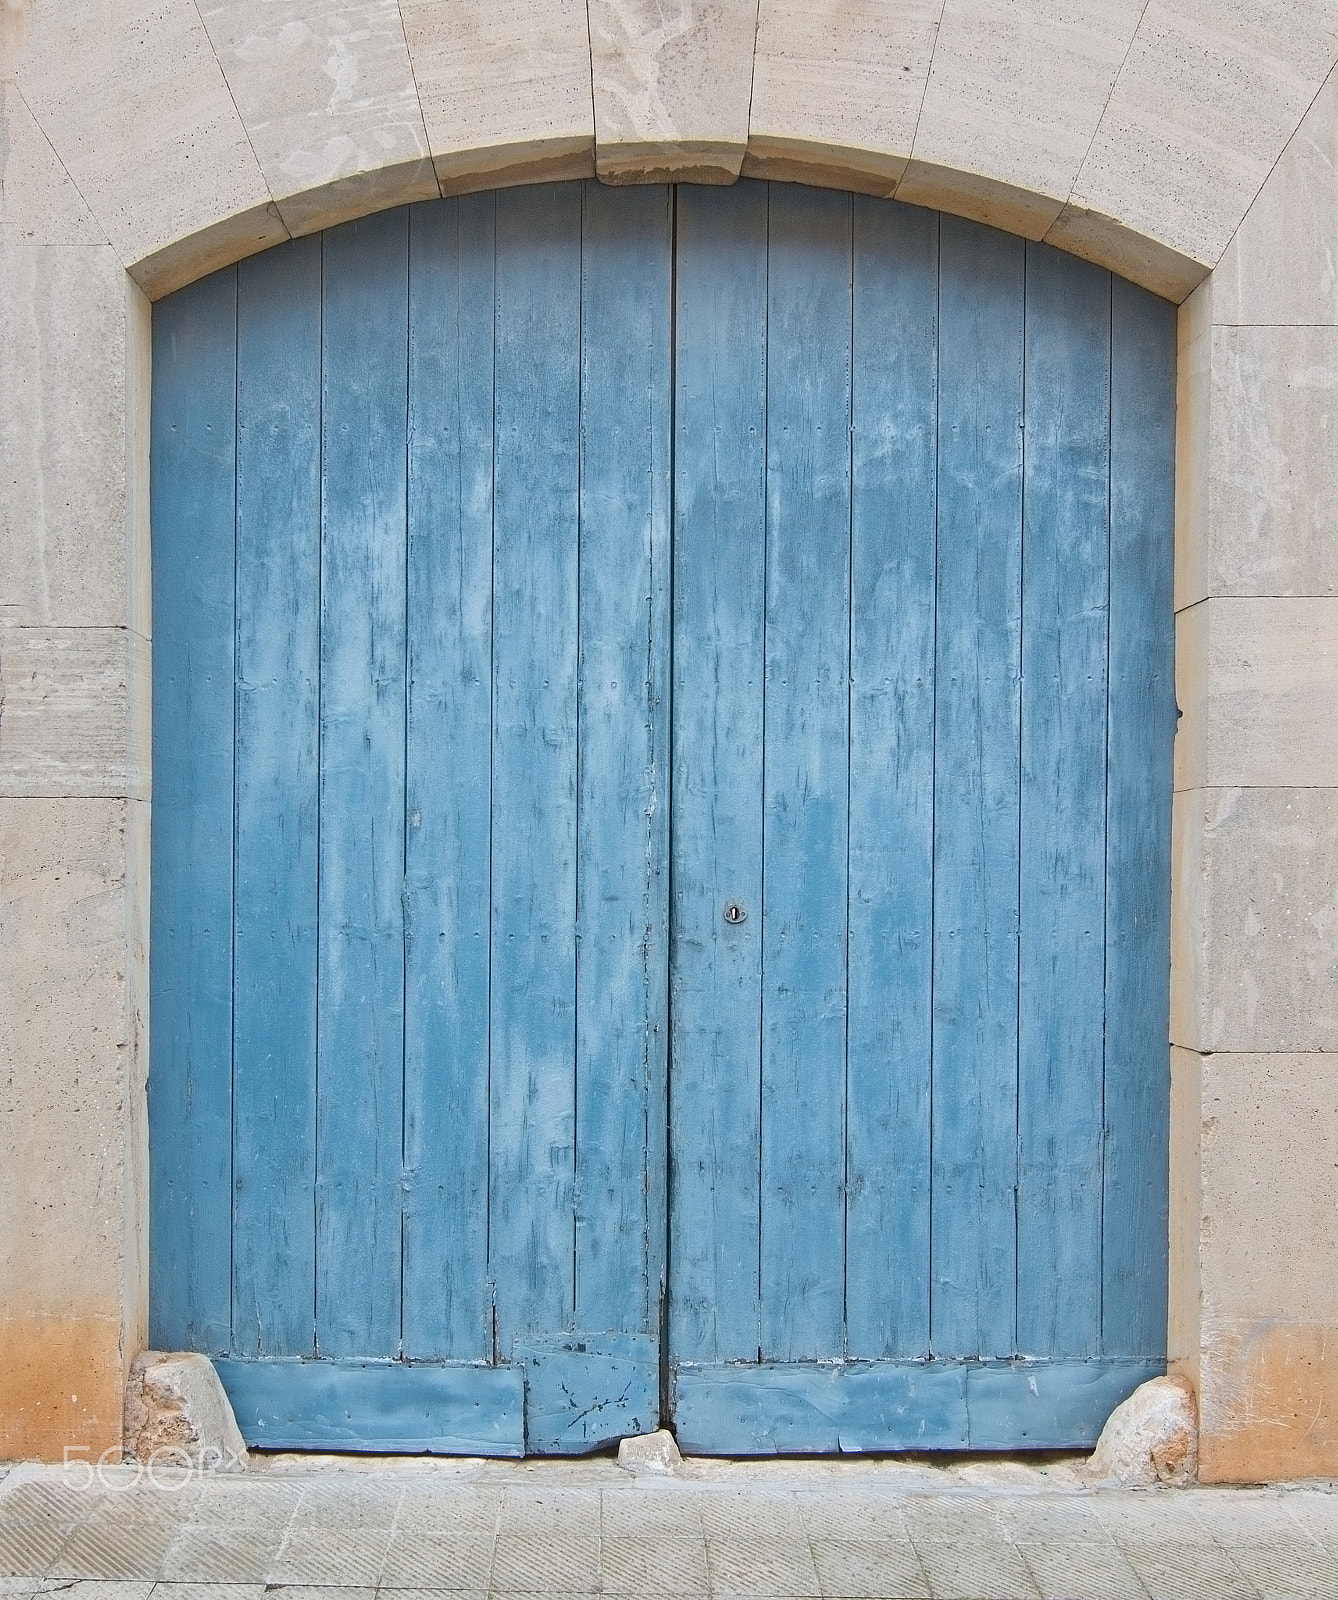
[(662, 714)]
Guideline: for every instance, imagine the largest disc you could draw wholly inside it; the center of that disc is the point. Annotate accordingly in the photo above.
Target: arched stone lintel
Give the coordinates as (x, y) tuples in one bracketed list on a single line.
[(1090, 235)]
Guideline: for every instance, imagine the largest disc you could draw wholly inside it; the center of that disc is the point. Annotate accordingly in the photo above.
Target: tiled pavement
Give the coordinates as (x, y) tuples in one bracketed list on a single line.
[(295, 1529)]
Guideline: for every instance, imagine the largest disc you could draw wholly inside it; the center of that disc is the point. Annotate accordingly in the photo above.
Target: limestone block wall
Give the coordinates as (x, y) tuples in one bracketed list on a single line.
[(74, 791), (1255, 974), (1189, 144)]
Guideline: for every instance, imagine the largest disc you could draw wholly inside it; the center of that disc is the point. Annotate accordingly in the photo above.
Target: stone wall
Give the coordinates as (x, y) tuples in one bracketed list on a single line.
[(74, 790), (1255, 974), (1193, 147)]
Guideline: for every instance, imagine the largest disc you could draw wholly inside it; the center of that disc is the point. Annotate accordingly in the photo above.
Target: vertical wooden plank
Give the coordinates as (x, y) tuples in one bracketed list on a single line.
[(1062, 909), (806, 748), (894, 453), (976, 791), (447, 1306), (622, 849), (719, 575), (536, 491), (1138, 822), (193, 482), (361, 1029), (277, 777)]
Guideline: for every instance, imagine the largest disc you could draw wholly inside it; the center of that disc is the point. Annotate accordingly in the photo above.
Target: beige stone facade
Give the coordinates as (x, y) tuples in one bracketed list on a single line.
[(1192, 147)]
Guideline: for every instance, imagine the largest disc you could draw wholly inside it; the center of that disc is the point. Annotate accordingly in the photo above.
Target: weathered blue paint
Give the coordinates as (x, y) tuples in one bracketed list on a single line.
[(894, 397), (377, 1405), (904, 1122), (277, 744), (448, 797), (719, 599), (805, 774), (360, 1046), (1061, 915), (1138, 821), (622, 879), (536, 512), (193, 476), (976, 706)]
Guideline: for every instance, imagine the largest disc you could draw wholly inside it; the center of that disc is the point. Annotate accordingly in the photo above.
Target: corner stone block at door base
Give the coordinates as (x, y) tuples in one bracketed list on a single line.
[(177, 1411), (650, 1455), (1152, 1438)]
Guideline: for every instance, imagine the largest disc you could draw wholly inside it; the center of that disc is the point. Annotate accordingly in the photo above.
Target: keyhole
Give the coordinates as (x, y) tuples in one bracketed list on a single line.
[(734, 912)]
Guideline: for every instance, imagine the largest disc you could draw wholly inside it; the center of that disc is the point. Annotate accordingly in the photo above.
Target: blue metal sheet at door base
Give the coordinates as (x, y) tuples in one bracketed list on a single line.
[(804, 1409), (386, 1406)]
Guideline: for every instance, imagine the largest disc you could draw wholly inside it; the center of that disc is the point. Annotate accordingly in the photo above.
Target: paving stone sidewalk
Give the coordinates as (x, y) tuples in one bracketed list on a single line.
[(304, 1529)]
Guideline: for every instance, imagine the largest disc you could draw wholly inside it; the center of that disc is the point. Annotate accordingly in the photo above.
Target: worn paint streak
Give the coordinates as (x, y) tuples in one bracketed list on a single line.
[(1063, 820), (535, 620), (190, 977), (277, 744), (360, 1062), (978, 648), (716, 967), (623, 889), (1140, 731), (893, 456), (805, 783), (448, 796)]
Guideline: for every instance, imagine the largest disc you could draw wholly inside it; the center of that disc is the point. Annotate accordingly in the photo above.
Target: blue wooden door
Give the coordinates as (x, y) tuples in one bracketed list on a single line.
[(922, 726), (411, 572), (662, 714)]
